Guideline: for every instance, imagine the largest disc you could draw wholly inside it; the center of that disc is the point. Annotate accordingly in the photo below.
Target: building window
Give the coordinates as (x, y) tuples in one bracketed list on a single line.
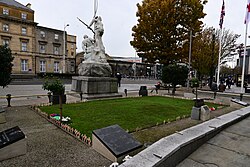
[(5, 27), (72, 65), (56, 66), (6, 42), (42, 48), (56, 50), (5, 11), (24, 16), (24, 46), (42, 66), (24, 65), (72, 46), (72, 53), (42, 34), (24, 30), (56, 36)]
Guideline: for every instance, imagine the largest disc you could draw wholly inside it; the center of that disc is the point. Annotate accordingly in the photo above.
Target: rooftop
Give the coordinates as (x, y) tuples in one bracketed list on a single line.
[(15, 4)]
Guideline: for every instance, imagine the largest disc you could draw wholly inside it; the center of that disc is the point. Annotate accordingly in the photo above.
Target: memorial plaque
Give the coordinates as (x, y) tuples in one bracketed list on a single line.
[(118, 141), (195, 114), (2, 115), (1, 109), (205, 113), (240, 102), (10, 136)]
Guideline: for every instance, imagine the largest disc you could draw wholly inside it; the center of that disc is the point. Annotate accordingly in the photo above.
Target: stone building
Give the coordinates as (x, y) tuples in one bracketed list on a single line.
[(49, 51), (71, 54), (36, 49), (17, 30)]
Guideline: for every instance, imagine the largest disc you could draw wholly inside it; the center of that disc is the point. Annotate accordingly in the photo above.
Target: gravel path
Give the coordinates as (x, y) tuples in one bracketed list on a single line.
[(47, 145)]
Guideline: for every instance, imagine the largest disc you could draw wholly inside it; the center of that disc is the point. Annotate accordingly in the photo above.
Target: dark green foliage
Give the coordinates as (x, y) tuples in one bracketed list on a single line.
[(6, 59), (54, 85), (175, 74), (194, 82)]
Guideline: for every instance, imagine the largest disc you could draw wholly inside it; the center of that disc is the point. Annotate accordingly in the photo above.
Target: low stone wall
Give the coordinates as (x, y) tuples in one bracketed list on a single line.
[(171, 150)]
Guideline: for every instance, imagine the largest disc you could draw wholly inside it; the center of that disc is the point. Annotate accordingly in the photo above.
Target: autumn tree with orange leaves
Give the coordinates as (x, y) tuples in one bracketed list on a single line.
[(163, 28)]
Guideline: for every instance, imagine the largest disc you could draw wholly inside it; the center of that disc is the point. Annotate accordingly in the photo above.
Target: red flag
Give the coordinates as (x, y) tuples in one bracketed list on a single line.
[(222, 14), (247, 13)]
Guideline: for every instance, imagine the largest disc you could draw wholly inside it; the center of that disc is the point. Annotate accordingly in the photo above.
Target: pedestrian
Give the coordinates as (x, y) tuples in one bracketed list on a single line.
[(228, 83), (157, 87), (119, 77)]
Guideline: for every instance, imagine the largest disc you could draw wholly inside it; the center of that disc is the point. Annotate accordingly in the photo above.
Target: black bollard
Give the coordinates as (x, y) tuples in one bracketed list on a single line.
[(81, 95), (241, 96), (8, 97), (126, 92), (214, 94)]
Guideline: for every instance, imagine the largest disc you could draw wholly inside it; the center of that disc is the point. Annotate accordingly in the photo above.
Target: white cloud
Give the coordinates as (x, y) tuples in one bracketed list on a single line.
[(119, 18)]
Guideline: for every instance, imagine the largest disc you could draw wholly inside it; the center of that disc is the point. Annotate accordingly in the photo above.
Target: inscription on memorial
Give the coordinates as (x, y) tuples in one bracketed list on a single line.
[(117, 140), (10, 136)]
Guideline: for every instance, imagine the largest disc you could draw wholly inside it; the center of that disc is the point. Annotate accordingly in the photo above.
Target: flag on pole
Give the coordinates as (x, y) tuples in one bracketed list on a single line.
[(222, 14), (247, 12)]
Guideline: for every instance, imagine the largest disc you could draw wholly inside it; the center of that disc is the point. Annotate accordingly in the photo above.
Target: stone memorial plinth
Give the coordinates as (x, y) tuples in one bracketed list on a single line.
[(93, 68), (238, 103), (12, 143), (114, 143), (95, 87), (2, 115), (195, 113), (204, 113)]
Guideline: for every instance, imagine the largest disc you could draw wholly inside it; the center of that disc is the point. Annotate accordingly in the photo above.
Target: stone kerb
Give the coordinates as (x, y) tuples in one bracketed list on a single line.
[(171, 150), (66, 128)]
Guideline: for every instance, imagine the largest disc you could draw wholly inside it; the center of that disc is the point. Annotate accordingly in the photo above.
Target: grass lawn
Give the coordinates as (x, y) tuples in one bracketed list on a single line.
[(129, 113)]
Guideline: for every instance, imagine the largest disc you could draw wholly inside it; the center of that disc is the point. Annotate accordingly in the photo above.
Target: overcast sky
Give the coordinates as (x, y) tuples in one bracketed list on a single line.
[(119, 18)]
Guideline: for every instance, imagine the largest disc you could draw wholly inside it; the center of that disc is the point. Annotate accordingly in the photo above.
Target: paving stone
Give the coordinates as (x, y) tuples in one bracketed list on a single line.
[(209, 154), (190, 163), (232, 142)]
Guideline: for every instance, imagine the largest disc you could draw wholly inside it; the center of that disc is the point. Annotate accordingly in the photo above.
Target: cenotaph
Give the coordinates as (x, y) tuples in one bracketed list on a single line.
[(94, 80)]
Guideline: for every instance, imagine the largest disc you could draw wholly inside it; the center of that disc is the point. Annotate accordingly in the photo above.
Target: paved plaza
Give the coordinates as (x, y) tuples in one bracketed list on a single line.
[(50, 146), (230, 148), (31, 94)]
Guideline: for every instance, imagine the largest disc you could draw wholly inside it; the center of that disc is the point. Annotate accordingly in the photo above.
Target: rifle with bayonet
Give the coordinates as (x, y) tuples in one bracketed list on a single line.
[(86, 25)]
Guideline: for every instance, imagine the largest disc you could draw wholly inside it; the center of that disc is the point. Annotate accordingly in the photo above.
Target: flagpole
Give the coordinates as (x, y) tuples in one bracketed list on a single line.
[(220, 39), (218, 73), (244, 60)]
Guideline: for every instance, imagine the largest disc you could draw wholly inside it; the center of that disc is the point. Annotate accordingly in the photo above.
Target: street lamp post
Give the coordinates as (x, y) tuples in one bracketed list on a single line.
[(156, 71), (189, 59), (64, 47)]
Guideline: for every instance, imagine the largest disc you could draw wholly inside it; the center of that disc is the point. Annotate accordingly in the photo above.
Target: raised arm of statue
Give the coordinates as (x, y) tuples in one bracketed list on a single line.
[(92, 21)]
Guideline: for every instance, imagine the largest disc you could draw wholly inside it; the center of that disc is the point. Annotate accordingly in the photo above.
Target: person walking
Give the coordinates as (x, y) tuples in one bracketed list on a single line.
[(228, 83), (119, 77), (157, 87)]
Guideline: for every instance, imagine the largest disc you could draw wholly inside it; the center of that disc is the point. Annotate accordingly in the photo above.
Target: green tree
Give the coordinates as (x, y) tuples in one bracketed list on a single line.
[(204, 52), (174, 74), (163, 27), (54, 85), (205, 49), (228, 42), (6, 59)]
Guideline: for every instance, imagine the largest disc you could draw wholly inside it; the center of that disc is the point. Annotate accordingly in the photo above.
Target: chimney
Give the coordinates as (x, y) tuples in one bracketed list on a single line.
[(28, 5)]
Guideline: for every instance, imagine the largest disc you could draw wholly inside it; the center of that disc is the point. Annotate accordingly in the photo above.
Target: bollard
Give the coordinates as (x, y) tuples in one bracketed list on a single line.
[(214, 94), (126, 92), (8, 97), (81, 95), (241, 96), (49, 96)]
